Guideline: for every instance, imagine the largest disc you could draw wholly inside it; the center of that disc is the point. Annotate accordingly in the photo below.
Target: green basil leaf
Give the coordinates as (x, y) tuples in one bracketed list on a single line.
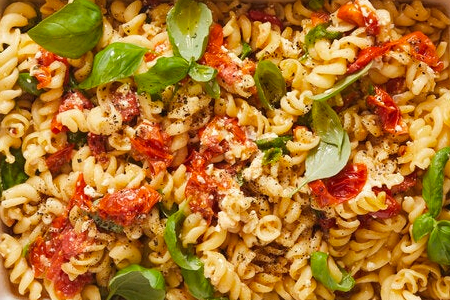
[(438, 248), (315, 4), (320, 32), (117, 61), (270, 83), (188, 25), (198, 285), (246, 51), (108, 225), (326, 124), (79, 138), (326, 160), (271, 156), (29, 84), (182, 257), (71, 31), (137, 283), (12, 174), (433, 181), (202, 73), (422, 226), (25, 250), (278, 142), (212, 87), (321, 272), (341, 85), (166, 71)]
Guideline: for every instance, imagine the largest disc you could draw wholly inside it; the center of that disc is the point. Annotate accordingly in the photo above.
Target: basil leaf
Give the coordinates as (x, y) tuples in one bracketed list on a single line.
[(198, 285), (137, 283), (270, 83), (188, 25), (278, 142), (71, 31), (202, 73), (320, 32), (29, 84), (212, 87), (433, 181), (271, 156), (108, 225), (25, 250), (180, 255), (326, 124), (315, 4), (326, 160), (117, 61), (321, 272), (166, 71), (341, 85), (246, 51), (79, 138), (439, 243), (12, 174), (422, 226)]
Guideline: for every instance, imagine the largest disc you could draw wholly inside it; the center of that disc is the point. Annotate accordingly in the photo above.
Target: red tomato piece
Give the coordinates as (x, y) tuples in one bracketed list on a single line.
[(126, 206), (319, 18), (393, 208), (98, 146), (384, 106), (56, 160), (342, 187), (71, 100), (42, 73), (152, 144), (48, 253), (409, 182), (395, 86), (365, 56), (360, 15), (127, 104), (217, 58), (79, 197), (257, 15)]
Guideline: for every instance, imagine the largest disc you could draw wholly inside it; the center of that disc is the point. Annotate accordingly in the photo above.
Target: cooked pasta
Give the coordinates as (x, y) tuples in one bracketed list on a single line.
[(225, 149)]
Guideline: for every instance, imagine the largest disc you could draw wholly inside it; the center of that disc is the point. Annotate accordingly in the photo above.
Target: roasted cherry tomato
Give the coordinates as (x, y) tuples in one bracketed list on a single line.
[(360, 15), (257, 15), (384, 106), (393, 207), (126, 206), (345, 185), (56, 160), (71, 100)]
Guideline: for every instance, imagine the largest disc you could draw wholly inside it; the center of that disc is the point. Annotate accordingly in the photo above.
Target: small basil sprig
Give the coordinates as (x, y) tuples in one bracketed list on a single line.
[(71, 31), (79, 138), (438, 247), (331, 155), (188, 25), (340, 85), (320, 32), (117, 61), (315, 4), (270, 83), (137, 283), (29, 84), (192, 267), (246, 51), (106, 224), (321, 272), (166, 71), (182, 257), (273, 148), (12, 174)]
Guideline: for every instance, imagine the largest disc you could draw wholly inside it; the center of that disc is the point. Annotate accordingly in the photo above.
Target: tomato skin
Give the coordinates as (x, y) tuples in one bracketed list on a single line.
[(79, 197), (342, 187), (48, 253), (352, 12), (71, 100), (217, 58), (127, 104), (393, 208), (384, 106), (319, 18), (257, 15), (98, 146), (125, 206), (42, 72), (56, 160), (408, 182), (418, 46)]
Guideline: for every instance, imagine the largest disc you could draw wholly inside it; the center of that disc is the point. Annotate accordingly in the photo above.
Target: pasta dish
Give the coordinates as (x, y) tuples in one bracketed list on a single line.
[(203, 149)]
